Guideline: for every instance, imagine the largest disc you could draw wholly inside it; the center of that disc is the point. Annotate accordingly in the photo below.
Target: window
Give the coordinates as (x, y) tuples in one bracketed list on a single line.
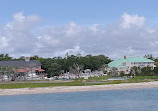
[(124, 63), (142, 65)]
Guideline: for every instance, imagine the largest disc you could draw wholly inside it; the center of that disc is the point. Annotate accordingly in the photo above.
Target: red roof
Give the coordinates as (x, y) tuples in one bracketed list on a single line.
[(40, 70), (21, 70)]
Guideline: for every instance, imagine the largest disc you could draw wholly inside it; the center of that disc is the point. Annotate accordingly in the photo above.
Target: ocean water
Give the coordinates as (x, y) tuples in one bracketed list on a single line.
[(113, 100)]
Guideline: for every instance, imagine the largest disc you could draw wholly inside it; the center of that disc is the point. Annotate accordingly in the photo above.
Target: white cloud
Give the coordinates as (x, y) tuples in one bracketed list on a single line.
[(128, 35), (76, 50), (19, 16), (130, 20), (3, 42), (17, 37)]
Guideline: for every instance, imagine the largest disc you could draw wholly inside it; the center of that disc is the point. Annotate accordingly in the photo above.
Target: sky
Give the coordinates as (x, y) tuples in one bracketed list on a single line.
[(50, 28)]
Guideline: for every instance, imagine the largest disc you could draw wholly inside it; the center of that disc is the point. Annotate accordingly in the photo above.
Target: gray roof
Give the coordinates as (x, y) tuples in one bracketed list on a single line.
[(16, 63)]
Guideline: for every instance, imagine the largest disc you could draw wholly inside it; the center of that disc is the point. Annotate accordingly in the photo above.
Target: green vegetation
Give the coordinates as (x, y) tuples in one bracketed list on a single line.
[(33, 85), (145, 71), (103, 80), (57, 65), (146, 78), (75, 64)]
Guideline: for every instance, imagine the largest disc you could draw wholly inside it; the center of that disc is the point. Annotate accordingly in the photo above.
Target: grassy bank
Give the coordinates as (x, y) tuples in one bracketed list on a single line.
[(33, 85), (79, 82)]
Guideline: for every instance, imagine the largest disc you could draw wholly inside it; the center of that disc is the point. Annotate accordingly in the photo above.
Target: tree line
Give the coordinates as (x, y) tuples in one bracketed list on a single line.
[(57, 65), (77, 63)]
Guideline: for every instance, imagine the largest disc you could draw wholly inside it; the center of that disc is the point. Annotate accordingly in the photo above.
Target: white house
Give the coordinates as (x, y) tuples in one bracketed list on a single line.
[(125, 63)]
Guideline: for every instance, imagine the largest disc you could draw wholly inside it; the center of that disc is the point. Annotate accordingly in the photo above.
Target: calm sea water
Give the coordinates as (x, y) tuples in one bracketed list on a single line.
[(114, 100)]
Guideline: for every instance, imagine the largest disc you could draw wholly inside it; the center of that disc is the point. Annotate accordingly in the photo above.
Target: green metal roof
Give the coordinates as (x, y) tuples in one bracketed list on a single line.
[(118, 63)]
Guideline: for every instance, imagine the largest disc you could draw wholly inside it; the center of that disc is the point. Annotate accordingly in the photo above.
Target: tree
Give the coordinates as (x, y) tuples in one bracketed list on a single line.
[(6, 71), (122, 73), (105, 71), (5, 57), (76, 69), (135, 71), (155, 70), (147, 71), (14, 75), (9, 71), (35, 57), (149, 56), (86, 62), (54, 70), (2, 73)]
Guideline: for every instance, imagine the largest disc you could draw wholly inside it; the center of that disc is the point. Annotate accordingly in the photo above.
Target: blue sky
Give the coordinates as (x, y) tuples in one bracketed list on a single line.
[(81, 11), (51, 28)]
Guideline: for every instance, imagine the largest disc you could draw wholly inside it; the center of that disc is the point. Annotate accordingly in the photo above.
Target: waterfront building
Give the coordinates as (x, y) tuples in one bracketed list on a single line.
[(125, 63), (22, 68)]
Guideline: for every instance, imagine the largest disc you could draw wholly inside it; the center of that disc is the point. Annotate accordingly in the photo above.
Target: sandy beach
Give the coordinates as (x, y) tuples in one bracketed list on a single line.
[(77, 88)]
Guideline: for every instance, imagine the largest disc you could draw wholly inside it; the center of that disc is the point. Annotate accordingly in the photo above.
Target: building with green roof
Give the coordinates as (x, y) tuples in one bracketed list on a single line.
[(125, 63)]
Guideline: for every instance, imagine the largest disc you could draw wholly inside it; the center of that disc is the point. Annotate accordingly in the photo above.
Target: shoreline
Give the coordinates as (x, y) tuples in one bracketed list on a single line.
[(60, 89)]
